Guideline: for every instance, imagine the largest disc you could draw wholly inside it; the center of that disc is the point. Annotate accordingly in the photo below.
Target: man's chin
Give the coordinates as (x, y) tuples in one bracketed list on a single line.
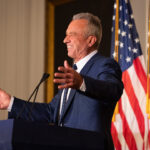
[(70, 55)]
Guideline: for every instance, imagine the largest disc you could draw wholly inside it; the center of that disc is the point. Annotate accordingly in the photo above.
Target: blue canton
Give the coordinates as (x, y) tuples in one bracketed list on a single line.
[(128, 40)]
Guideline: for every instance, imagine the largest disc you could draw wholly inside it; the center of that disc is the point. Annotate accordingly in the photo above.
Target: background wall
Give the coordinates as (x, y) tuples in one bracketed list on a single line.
[(140, 12), (22, 49), (22, 40)]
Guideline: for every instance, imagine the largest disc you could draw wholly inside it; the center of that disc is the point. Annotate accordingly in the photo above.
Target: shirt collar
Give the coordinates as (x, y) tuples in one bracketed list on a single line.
[(81, 63)]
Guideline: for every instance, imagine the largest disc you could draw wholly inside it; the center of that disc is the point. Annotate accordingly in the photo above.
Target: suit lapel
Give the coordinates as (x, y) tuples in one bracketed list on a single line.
[(70, 98), (68, 103), (56, 112), (84, 71), (89, 64)]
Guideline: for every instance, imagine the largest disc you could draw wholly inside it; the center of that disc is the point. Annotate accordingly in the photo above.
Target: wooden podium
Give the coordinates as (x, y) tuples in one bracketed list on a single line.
[(23, 135)]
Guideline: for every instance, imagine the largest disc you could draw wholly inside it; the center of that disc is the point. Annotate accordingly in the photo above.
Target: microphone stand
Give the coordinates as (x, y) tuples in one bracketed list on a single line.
[(44, 77), (30, 113)]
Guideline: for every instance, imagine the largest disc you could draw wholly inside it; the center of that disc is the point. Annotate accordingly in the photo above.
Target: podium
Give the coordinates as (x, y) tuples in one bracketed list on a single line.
[(25, 135)]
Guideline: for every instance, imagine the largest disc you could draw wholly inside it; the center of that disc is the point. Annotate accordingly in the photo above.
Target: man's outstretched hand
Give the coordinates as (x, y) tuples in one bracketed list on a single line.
[(67, 77), (4, 99)]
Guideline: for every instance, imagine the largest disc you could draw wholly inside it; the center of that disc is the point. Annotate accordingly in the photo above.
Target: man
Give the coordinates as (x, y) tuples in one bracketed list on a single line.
[(91, 91)]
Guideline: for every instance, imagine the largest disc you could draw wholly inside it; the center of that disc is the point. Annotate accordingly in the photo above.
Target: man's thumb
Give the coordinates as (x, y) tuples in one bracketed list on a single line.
[(66, 65)]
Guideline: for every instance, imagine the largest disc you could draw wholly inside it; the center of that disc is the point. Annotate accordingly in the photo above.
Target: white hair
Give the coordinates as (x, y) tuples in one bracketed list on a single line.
[(94, 26)]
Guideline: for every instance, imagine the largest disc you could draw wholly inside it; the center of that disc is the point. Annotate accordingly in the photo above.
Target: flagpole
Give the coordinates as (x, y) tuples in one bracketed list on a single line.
[(116, 30), (148, 69), (116, 111)]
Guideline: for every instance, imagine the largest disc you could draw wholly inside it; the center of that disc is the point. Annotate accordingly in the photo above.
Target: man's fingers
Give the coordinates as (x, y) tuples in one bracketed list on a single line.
[(65, 70), (61, 81), (63, 75), (67, 85), (67, 77)]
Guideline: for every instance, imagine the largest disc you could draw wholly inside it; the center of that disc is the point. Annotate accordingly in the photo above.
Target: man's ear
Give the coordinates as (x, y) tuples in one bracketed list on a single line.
[(91, 40)]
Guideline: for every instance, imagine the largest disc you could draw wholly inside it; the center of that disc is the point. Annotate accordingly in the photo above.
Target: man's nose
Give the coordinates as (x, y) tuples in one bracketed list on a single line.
[(66, 39)]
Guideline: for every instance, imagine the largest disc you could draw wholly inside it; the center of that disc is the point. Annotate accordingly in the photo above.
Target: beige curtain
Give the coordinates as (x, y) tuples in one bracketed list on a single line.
[(22, 25)]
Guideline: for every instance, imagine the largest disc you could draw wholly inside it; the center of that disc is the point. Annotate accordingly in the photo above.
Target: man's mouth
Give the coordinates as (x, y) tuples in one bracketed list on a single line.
[(69, 46)]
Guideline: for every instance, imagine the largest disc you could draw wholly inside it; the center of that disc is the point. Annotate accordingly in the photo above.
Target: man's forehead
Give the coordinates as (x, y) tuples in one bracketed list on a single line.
[(76, 24), (79, 21)]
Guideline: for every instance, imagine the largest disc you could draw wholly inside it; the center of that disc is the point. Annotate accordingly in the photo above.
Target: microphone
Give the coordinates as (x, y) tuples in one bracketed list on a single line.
[(44, 77)]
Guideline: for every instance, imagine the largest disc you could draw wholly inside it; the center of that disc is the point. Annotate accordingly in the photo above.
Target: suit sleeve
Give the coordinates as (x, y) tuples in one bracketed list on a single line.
[(42, 112), (105, 84)]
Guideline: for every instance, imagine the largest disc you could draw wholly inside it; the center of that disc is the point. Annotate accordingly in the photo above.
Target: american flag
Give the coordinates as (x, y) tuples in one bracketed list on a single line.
[(130, 128)]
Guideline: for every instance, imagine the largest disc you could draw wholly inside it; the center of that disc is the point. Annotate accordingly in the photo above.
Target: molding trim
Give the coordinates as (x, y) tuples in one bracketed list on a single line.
[(50, 39), (50, 50)]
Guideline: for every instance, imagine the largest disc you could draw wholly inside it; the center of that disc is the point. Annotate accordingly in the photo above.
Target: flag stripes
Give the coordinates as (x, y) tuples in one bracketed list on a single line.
[(115, 137), (140, 72), (134, 102), (138, 88), (127, 133), (130, 129)]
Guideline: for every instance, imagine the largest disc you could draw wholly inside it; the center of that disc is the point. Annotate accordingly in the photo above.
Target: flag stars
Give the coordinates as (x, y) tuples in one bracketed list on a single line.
[(129, 36), (129, 48), (128, 59), (114, 17), (137, 40), (127, 42), (119, 31), (135, 50), (120, 8), (114, 54), (121, 45), (123, 33), (130, 26), (132, 16), (125, 22), (115, 6)]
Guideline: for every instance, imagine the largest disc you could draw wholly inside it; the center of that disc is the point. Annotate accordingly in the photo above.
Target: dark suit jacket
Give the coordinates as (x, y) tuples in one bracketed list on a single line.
[(90, 110)]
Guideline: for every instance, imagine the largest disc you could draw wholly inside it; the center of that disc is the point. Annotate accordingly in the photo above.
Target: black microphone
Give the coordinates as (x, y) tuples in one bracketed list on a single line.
[(44, 77)]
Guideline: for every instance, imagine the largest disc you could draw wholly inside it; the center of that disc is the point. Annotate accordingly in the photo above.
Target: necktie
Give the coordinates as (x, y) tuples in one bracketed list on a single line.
[(74, 66), (65, 96), (64, 101)]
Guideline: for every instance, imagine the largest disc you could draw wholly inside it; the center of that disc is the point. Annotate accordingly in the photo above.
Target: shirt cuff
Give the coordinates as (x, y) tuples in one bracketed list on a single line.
[(83, 86), (10, 104)]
